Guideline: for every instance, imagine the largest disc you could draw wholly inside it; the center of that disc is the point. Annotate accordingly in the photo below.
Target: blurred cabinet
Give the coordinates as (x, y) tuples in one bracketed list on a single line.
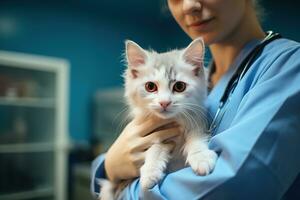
[(110, 115), (82, 181), (33, 127)]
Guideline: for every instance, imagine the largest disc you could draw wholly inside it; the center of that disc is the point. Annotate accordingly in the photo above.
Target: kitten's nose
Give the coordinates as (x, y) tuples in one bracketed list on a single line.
[(165, 104)]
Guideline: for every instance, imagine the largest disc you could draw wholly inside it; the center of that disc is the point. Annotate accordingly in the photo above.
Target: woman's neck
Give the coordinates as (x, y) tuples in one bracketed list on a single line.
[(225, 52)]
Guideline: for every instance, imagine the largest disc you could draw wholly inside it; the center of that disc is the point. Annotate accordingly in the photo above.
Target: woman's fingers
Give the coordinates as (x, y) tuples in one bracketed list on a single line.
[(154, 124), (160, 136), (138, 159), (170, 145)]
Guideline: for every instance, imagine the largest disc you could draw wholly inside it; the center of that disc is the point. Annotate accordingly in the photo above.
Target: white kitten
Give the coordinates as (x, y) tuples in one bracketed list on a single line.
[(168, 85)]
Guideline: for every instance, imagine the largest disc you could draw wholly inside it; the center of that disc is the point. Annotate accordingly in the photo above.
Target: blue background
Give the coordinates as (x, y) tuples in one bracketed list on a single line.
[(91, 35)]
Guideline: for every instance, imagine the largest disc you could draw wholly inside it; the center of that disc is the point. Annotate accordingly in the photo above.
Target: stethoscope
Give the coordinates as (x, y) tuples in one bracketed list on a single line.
[(237, 76)]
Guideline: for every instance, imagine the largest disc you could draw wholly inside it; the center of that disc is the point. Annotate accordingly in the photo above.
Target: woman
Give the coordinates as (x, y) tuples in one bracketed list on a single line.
[(257, 133)]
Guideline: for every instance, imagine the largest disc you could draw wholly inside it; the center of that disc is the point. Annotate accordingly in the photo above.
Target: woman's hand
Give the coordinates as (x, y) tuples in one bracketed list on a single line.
[(127, 154)]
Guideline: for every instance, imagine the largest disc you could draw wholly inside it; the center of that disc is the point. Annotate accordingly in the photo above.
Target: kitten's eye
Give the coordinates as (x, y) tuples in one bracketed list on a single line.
[(150, 87), (179, 86)]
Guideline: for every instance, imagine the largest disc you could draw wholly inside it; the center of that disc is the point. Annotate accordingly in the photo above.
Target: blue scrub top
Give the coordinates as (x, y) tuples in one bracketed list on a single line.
[(257, 139)]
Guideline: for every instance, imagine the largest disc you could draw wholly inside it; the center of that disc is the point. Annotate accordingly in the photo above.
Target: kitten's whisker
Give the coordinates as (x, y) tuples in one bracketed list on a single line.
[(196, 123), (124, 109), (193, 104), (187, 118), (191, 119), (201, 116), (203, 109), (197, 108), (124, 116), (123, 123), (193, 109)]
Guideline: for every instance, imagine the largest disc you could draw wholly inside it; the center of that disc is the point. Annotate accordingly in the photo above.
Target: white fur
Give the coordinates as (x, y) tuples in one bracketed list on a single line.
[(186, 107), (107, 190)]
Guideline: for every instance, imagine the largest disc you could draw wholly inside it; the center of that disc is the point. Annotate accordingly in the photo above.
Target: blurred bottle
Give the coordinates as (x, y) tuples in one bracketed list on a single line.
[(20, 128)]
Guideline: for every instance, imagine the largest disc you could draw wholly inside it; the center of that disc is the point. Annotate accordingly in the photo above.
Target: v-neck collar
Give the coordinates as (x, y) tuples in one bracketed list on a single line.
[(217, 91)]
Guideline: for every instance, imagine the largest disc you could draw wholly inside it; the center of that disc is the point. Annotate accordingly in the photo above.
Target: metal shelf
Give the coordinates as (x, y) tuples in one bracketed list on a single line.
[(27, 148), (38, 193), (35, 113), (27, 102)]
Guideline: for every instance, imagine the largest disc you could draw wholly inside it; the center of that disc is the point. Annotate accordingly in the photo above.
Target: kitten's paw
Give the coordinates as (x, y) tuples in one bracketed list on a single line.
[(150, 177), (203, 162)]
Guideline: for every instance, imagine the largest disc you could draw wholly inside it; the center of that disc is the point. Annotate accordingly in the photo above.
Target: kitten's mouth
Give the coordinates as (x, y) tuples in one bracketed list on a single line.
[(163, 113), (164, 110)]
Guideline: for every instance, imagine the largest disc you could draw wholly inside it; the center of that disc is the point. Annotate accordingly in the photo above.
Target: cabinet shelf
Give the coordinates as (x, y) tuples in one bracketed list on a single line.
[(33, 127), (27, 148), (38, 193), (27, 102)]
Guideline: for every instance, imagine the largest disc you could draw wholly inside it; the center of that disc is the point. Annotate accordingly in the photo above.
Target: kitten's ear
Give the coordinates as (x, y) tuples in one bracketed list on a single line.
[(135, 56), (194, 55)]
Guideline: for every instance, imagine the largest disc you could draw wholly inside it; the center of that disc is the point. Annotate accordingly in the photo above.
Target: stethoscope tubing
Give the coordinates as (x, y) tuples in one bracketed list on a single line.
[(238, 75)]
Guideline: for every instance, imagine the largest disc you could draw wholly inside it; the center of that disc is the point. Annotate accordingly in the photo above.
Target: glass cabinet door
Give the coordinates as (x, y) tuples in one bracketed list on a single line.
[(33, 133), (27, 116), (26, 174)]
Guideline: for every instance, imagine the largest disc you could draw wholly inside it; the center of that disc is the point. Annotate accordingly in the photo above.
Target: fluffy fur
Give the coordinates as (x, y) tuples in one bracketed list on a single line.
[(165, 70)]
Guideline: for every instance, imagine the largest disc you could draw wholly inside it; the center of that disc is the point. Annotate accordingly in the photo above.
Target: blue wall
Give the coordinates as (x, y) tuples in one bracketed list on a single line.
[(86, 34), (91, 34), (283, 17)]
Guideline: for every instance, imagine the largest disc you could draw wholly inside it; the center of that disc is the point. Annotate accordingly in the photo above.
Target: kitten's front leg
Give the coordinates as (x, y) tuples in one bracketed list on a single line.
[(201, 159), (156, 161)]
